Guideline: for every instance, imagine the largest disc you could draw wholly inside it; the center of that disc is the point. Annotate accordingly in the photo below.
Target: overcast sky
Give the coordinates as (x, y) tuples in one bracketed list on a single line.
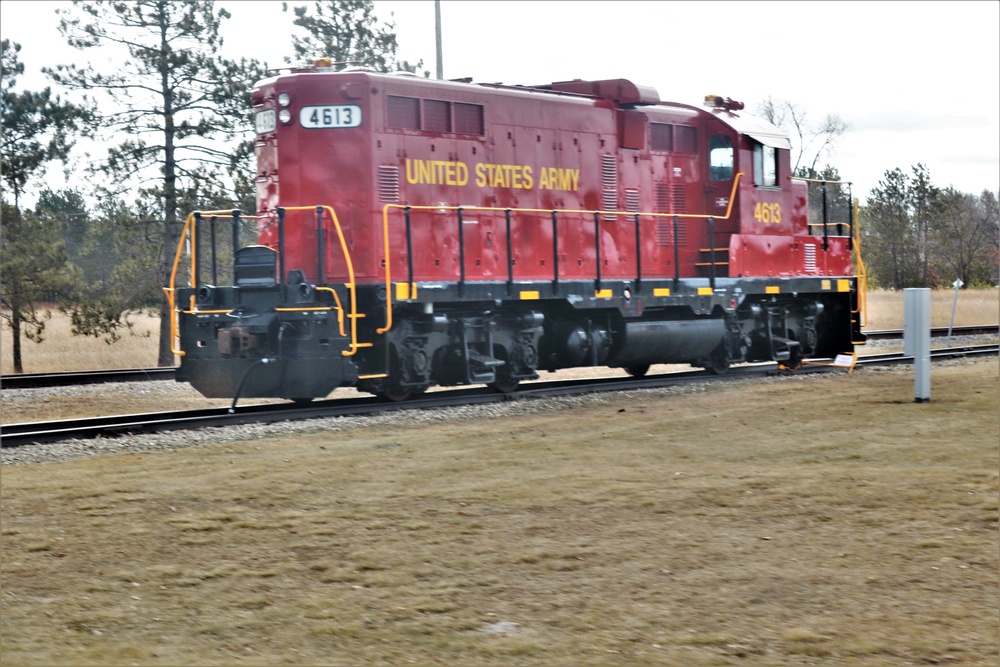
[(916, 81)]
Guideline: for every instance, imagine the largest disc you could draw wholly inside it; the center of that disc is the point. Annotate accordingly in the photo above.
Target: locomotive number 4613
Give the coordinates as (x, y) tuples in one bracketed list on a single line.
[(330, 116), (767, 213)]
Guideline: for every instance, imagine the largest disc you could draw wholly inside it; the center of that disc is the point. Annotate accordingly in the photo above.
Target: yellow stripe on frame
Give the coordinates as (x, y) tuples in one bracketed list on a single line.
[(704, 291), (529, 296), (661, 291), (405, 291), (772, 289), (844, 285), (826, 285), (602, 294)]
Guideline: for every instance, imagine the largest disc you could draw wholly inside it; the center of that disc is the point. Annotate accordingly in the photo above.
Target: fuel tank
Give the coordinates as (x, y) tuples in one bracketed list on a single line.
[(667, 341)]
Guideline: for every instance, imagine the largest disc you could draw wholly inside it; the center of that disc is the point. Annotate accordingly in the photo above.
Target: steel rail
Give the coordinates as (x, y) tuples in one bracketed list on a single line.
[(19, 434), (72, 378)]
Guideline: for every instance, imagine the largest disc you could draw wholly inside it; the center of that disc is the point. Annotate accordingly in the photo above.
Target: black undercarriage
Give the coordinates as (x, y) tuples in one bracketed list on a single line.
[(300, 341)]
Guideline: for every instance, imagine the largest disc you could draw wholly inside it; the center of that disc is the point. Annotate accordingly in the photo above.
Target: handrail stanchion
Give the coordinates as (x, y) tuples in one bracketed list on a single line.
[(510, 257), (597, 248), (555, 255), (638, 257), (461, 254), (826, 242), (195, 278), (236, 236), (281, 247), (321, 248), (409, 250), (215, 251), (677, 257), (850, 223), (711, 251)]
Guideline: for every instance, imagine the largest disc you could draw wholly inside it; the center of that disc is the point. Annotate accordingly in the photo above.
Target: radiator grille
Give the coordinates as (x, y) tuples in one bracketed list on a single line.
[(679, 199), (388, 184), (662, 198), (810, 258), (609, 178), (665, 232), (632, 200)]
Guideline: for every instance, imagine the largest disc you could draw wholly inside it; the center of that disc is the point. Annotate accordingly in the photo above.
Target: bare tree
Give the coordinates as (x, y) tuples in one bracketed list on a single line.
[(813, 141)]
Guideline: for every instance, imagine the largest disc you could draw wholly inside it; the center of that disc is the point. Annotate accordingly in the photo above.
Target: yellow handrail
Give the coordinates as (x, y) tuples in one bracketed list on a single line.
[(340, 309), (350, 285), (862, 271), (192, 229)]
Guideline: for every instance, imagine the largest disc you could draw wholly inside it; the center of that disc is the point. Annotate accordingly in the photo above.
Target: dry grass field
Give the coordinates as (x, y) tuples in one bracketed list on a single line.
[(810, 520), (60, 351)]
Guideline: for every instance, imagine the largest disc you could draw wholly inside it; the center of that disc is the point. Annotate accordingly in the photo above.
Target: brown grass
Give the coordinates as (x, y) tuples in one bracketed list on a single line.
[(60, 350), (850, 526), (973, 308)]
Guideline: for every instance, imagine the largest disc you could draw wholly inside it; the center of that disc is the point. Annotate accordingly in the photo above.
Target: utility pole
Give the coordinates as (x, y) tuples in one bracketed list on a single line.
[(437, 35)]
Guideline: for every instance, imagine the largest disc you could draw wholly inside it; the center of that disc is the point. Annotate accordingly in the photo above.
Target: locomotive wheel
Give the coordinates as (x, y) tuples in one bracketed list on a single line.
[(718, 361), (637, 371), (504, 386), (719, 366), (394, 395)]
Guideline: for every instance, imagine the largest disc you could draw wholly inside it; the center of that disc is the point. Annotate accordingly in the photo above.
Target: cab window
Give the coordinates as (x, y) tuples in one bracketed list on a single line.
[(765, 165), (720, 157)]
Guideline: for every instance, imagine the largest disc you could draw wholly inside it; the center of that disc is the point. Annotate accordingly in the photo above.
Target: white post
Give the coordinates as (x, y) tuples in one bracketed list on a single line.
[(917, 339)]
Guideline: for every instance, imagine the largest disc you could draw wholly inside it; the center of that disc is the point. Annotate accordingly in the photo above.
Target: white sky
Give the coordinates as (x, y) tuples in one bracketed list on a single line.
[(917, 81)]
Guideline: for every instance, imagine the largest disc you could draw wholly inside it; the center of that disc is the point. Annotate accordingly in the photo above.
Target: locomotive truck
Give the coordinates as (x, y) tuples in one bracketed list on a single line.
[(414, 232)]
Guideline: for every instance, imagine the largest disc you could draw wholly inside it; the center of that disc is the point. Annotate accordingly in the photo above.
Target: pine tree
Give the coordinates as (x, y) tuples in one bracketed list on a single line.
[(347, 31), (38, 127), (179, 106)]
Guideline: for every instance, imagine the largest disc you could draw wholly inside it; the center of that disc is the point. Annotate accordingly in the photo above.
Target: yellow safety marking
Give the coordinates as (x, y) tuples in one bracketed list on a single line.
[(299, 310), (661, 291), (772, 289), (602, 294), (372, 377), (844, 285), (205, 312), (826, 284), (704, 291), (406, 291), (356, 345), (529, 296)]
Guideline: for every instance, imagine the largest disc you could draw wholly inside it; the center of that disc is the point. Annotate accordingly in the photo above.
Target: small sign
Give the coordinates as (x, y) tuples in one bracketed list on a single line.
[(845, 360)]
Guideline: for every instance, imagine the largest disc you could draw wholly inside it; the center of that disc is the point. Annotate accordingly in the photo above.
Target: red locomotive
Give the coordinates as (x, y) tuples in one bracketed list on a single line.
[(414, 232)]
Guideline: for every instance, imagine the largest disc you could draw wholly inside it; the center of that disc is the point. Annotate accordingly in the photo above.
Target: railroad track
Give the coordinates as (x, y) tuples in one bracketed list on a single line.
[(71, 378), (15, 435)]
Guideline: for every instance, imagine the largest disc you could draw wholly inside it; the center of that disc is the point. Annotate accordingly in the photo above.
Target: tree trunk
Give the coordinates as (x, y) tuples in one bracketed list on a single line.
[(15, 332)]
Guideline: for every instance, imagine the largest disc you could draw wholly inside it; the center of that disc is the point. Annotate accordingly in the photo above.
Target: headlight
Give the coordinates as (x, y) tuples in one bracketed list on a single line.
[(285, 116), (284, 99)]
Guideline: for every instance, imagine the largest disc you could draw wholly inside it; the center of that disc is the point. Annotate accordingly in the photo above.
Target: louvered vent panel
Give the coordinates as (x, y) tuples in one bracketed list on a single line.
[(437, 116), (388, 185), (631, 200), (404, 113), (810, 258), (665, 233), (679, 200), (609, 178), (662, 198)]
